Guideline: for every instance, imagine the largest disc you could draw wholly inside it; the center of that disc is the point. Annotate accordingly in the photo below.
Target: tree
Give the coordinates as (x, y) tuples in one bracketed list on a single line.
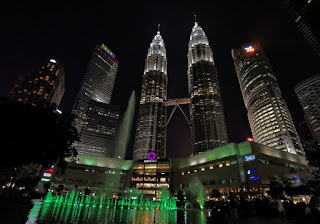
[(289, 185), (34, 135)]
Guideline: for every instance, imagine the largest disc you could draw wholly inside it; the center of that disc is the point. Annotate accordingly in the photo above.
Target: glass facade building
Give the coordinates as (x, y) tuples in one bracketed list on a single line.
[(47, 84), (151, 126), (99, 131), (208, 126), (269, 117), (308, 93), (95, 118)]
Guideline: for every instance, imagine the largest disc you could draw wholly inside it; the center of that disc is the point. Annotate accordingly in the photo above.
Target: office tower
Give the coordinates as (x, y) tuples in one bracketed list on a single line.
[(305, 14), (98, 133), (46, 85), (91, 117), (208, 126), (151, 126), (269, 117), (308, 93)]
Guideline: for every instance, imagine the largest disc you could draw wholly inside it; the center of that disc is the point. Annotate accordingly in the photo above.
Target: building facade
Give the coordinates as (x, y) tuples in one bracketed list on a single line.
[(151, 126), (95, 119), (208, 126), (308, 93), (46, 85), (99, 131), (269, 117), (151, 177), (100, 174), (243, 167)]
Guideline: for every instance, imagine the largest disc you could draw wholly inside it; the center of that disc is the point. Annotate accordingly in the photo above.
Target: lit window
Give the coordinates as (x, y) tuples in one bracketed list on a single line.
[(203, 169), (220, 165), (182, 173), (195, 171), (211, 167)]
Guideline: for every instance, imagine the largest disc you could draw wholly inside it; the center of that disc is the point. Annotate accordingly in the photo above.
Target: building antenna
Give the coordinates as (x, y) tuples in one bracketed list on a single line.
[(159, 28), (195, 18)]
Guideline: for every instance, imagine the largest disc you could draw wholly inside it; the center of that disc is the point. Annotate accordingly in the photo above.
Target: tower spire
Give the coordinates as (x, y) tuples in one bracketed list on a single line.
[(158, 29), (195, 20)]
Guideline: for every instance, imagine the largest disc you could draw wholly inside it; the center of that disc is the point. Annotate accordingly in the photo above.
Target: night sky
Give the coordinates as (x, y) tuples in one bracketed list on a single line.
[(34, 32)]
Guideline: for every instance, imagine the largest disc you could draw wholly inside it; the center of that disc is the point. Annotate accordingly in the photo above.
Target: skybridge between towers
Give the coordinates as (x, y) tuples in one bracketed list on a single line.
[(176, 103)]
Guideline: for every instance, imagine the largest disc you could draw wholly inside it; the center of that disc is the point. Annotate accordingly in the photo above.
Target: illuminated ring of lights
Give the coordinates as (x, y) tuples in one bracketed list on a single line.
[(151, 156)]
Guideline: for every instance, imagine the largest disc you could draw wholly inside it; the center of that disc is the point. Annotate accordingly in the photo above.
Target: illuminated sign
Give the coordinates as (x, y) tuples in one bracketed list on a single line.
[(297, 179), (254, 178), (149, 161), (151, 156), (104, 47), (50, 170), (47, 174), (45, 180), (249, 158), (249, 49), (250, 139), (53, 61), (251, 171)]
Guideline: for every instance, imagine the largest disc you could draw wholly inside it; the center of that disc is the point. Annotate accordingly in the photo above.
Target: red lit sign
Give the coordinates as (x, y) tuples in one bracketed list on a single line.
[(250, 139), (50, 170), (249, 49)]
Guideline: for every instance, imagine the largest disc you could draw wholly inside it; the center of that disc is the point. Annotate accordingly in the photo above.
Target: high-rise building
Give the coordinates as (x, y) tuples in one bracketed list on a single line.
[(270, 121), (99, 130), (45, 85), (151, 126), (308, 93), (94, 117), (97, 83), (305, 14), (208, 126)]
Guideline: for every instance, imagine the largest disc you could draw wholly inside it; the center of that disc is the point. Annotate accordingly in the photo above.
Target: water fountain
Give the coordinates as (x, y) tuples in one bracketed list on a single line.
[(75, 206), (195, 194)]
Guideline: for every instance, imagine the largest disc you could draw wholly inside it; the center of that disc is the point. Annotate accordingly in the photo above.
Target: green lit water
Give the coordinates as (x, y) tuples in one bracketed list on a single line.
[(55, 213), (74, 207)]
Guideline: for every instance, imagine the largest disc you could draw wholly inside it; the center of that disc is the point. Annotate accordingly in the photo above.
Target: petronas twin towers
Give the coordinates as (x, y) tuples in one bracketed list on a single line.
[(208, 127)]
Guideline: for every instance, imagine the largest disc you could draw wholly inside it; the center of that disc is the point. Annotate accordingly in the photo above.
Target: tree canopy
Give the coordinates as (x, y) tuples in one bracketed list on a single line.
[(34, 134)]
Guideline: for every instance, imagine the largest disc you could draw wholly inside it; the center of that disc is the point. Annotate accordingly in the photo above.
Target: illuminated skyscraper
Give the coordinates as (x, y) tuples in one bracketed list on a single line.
[(269, 117), (47, 84), (95, 118), (208, 126), (151, 127), (308, 93)]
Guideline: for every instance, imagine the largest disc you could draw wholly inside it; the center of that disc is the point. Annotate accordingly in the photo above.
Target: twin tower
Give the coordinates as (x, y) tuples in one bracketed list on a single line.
[(207, 121)]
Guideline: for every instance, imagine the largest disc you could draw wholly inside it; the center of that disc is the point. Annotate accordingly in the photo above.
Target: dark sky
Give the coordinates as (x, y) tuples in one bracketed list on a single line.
[(68, 30)]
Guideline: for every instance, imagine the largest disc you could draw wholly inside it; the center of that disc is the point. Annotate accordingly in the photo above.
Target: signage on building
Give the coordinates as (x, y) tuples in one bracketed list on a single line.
[(249, 158), (297, 179), (251, 171), (149, 161), (249, 49)]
